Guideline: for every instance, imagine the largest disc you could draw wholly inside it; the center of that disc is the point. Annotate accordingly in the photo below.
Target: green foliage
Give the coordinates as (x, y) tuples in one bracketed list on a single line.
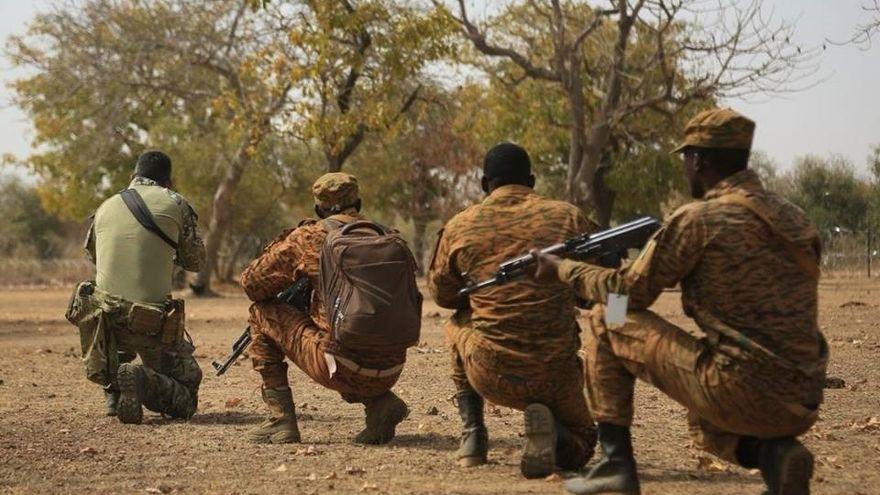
[(831, 194), (28, 230)]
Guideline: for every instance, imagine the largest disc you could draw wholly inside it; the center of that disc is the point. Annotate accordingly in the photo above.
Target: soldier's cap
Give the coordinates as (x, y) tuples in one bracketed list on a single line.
[(336, 191), (718, 128)]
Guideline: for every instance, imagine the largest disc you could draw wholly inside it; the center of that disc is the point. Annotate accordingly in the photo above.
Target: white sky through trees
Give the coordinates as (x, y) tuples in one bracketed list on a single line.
[(840, 115)]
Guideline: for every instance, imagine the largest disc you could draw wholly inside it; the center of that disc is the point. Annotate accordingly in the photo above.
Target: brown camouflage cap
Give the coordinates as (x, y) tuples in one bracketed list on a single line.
[(718, 128), (336, 189)]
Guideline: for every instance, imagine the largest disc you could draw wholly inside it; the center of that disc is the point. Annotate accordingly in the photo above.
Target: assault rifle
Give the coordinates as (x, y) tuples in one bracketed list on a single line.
[(604, 244), (298, 295)]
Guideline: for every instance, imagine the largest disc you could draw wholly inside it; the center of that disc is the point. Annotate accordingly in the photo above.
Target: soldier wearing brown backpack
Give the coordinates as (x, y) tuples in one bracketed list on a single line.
[(365, 311)]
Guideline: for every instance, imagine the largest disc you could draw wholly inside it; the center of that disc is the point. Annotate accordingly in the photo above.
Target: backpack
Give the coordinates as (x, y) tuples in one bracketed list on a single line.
[(367, 280)]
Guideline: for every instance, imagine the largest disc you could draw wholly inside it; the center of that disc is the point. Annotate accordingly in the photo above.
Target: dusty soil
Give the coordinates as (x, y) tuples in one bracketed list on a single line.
[(54, 437)]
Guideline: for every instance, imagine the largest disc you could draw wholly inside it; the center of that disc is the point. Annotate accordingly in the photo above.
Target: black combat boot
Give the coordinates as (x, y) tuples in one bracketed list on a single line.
[(539, 449), (474, 446), (786, 466), (383, 414), (572, 453), (111, 400), (616, 473), (130, 378)]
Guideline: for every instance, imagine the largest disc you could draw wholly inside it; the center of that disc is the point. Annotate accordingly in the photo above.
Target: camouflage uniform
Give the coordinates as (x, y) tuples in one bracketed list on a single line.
[(515, 343), (755, 363), (134, 269), (278, 329)]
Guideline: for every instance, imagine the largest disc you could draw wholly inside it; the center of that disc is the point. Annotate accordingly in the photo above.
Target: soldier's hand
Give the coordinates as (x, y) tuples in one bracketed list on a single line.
[(547, 266)]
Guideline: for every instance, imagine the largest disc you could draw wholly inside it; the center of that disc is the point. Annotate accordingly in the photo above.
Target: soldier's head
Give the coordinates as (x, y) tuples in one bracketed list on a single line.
[(716, 145), (154, 165), (336, 193), (506, 164)]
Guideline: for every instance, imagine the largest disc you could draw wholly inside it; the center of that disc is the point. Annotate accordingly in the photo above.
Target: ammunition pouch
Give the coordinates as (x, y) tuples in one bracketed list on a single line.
[(90, 314), (165, 323)]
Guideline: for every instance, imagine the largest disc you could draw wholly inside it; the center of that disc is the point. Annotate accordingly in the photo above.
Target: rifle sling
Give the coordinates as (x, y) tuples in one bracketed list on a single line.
[(141, 212), (809, 264)]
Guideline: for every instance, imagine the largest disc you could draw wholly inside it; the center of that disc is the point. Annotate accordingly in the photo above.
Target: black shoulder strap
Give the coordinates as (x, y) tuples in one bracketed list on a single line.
[(138, 208)]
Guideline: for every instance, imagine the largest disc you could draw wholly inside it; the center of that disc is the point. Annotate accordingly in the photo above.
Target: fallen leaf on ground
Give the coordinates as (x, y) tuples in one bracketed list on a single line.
[(331, 476), (88, 450), (312, 477), (355, 470), (282, 468), (553, 477), (233, 402), (369, 487)]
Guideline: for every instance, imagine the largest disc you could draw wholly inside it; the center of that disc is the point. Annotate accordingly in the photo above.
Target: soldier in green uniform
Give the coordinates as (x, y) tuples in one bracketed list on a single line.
[(751, 371), (128, 309)]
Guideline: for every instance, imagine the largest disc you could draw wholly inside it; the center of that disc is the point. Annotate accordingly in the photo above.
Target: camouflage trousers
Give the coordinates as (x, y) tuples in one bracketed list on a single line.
[(172, 374), (279, 330), (512, 383), (722, 406)]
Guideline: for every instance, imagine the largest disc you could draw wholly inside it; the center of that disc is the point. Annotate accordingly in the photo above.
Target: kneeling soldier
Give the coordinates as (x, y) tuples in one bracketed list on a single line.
[(135, 239), (279, 330), (751, 373), (514, 344)]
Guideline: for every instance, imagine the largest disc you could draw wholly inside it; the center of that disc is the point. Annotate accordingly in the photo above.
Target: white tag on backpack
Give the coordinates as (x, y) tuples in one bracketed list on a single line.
[(615, 310)]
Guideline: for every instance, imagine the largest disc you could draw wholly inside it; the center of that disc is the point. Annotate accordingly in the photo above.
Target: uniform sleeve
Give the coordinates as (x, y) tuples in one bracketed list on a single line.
[(444, 279), (292, 254), (190, 247), (89, 244), (667, 259)]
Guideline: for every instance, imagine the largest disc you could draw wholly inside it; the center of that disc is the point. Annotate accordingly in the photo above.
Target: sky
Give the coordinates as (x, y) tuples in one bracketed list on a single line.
[(840, 115)]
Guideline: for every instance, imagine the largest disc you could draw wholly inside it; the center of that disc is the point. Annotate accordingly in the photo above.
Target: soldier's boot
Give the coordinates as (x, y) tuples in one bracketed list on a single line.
[(383, 414), (616, 473), (786, 466), (539, 449), (111, 400), (165, 395), (474, 446), (280, 426), (572, 452), (130, 379)]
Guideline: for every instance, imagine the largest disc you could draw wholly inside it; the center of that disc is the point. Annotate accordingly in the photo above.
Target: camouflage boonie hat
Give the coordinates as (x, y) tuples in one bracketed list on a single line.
[(718, 128), (335, 190)]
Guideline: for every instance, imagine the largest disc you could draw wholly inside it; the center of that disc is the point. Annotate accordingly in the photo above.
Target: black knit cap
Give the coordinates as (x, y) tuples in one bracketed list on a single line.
[(507, 161)]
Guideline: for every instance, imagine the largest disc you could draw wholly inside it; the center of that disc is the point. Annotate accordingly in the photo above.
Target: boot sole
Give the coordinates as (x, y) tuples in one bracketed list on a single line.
[(539, 449), (795, 472), (129, 410)]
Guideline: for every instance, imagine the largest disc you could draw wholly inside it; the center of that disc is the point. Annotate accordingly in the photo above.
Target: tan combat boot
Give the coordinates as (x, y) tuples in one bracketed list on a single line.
[(280, 426), (384, 413)]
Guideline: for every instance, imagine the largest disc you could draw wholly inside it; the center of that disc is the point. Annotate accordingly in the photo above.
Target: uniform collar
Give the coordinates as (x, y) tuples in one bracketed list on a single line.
[(746, 181), (143, 181), (511, 190)]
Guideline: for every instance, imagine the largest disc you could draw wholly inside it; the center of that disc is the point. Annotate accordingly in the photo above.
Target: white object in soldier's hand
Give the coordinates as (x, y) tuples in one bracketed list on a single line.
[(615, 310)]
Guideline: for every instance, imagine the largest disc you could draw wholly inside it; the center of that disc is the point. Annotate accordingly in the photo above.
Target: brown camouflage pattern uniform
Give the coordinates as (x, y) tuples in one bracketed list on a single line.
[(278, 329), (755, 365), (517, 342)]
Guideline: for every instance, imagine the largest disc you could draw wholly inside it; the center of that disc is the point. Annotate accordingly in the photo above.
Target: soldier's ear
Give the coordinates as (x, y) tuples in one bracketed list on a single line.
[(531, 181), (484, 183)]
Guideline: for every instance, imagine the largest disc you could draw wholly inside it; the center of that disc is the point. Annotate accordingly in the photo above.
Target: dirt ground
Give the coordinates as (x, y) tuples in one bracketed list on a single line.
[(54, 437)]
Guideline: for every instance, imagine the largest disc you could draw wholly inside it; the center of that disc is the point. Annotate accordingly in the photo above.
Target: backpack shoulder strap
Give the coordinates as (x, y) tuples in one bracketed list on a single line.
[(138, 208), (809, 264)]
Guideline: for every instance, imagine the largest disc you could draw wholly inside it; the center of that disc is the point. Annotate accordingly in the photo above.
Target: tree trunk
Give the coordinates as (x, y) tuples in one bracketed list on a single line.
[(221, 216), (420, 225)]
